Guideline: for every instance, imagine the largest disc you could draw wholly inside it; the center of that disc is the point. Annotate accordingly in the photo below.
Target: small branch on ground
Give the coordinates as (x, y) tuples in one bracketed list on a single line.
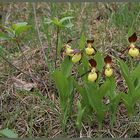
[(33, 78)]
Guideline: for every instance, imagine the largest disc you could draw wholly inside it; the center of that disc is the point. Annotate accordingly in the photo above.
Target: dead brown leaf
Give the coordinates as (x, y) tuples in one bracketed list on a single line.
[(23, 85)]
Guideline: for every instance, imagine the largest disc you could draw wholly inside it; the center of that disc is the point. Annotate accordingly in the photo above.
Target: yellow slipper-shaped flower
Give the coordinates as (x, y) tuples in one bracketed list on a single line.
[(89, 50), (76, 58), (134, 52), (108, 72), (69, 52), (92, 76)]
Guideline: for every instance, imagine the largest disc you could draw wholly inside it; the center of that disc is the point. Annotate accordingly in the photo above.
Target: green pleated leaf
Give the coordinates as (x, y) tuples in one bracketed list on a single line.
[(104, 89), (82, 42), (20, 27), (100, 61), (79, 115), (126, 74), (136, 73), (67, 66)]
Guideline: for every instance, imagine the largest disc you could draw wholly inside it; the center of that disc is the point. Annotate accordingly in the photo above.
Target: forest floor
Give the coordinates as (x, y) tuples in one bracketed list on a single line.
[(29, 101)]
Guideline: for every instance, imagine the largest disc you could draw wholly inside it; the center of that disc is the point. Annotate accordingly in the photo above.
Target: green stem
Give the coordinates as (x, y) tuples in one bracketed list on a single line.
[(57, 41), (131, 64)]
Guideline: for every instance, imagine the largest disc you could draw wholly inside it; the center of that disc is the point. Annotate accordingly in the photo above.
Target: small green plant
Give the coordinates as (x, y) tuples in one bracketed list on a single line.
[(14, 31), (64, 22), (14, 34)]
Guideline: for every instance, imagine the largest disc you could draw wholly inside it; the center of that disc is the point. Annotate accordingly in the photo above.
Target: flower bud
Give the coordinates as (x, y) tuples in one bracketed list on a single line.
[(134, 52)]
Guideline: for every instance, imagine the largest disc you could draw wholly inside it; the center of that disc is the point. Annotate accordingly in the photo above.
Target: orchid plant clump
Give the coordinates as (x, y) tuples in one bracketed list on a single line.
[(94, 81)]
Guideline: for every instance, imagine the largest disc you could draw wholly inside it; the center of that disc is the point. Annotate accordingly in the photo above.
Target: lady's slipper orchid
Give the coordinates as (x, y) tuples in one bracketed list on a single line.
[(133, 50), (68, 50), (92, 76), (75, 54), (108, 69), (89, 49)]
